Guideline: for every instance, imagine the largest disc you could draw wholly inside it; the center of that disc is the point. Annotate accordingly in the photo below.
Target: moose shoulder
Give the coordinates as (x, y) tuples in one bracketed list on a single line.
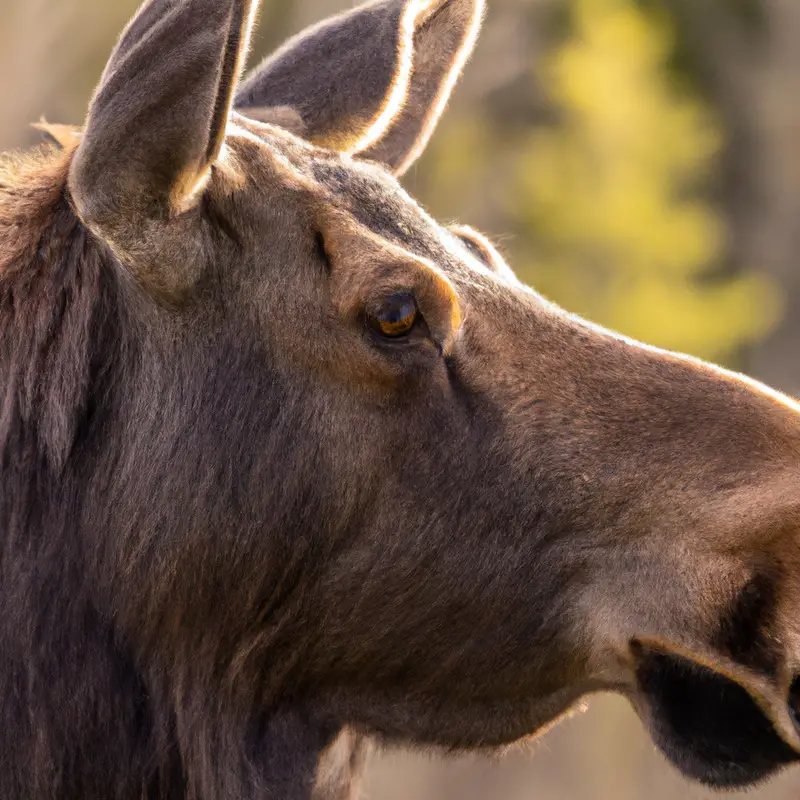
[(285, 464)]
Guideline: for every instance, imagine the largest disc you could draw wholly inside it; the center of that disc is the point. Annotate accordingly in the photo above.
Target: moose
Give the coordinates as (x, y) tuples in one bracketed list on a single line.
[(287, 467)]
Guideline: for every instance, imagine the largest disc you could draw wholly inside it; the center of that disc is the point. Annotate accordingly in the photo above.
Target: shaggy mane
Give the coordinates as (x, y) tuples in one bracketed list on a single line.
[(32, 184), (54, 310)]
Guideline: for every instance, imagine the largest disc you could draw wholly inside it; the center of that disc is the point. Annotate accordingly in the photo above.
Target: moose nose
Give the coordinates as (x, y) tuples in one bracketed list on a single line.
[(719, 722)]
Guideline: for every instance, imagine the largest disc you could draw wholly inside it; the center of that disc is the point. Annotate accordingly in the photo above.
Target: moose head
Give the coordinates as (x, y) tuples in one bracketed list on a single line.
[(283, 457)]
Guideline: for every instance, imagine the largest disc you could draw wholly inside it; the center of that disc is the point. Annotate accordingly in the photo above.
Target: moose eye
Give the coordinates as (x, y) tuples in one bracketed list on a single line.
[(395, 317)]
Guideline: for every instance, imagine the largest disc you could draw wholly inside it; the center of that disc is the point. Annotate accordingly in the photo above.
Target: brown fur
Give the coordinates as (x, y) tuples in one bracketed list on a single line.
[(240, 532)]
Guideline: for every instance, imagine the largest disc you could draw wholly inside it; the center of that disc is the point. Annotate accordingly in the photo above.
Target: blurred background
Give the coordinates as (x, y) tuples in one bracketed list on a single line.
[(637, 161)]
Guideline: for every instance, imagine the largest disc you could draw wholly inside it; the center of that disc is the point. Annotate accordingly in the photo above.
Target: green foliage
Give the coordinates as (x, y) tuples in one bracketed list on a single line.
[(612, 195)]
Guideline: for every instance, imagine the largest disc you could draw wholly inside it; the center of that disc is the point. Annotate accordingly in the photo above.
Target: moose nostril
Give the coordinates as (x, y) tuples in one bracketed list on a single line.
[(794, 700)]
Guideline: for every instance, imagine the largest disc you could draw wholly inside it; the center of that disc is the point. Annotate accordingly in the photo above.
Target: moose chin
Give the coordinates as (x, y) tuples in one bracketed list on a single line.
[(287, 466)]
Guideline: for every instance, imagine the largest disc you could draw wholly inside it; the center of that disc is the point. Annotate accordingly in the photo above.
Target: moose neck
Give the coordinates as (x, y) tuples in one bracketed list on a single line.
[(81, 713)]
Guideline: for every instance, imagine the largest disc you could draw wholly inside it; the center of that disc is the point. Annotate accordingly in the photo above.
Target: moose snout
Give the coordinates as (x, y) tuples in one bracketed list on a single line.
[(699, 525), (715, 659), (722, 723)]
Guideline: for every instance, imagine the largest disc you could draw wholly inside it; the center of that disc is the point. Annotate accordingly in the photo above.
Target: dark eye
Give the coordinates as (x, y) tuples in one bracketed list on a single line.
[(395, 317)]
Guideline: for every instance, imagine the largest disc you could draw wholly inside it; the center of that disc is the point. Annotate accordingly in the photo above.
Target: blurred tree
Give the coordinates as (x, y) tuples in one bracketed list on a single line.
[(613, 193), (605, 163)]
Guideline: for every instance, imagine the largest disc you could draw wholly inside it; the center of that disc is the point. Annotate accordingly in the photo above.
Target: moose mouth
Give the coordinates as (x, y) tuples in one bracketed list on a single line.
[(711, 727)]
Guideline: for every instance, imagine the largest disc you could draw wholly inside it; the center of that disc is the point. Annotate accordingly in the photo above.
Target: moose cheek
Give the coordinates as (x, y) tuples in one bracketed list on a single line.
[(706, 724)]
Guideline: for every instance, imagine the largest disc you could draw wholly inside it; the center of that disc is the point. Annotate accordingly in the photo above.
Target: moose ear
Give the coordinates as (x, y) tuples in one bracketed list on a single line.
[(157, 121), (373, 81), (481, 248)]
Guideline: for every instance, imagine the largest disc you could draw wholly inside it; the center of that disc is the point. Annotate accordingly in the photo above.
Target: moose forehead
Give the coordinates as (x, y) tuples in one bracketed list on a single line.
[(363, 193)]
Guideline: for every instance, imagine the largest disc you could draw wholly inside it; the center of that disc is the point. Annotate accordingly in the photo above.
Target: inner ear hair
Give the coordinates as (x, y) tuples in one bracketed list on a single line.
[(476, 243), (372, 81), (436, 47), (240, 30), (284, 117), (482, 249)]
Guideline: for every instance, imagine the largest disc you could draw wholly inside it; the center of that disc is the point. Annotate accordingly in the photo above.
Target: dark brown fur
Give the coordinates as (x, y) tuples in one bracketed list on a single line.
[(240, 532)]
